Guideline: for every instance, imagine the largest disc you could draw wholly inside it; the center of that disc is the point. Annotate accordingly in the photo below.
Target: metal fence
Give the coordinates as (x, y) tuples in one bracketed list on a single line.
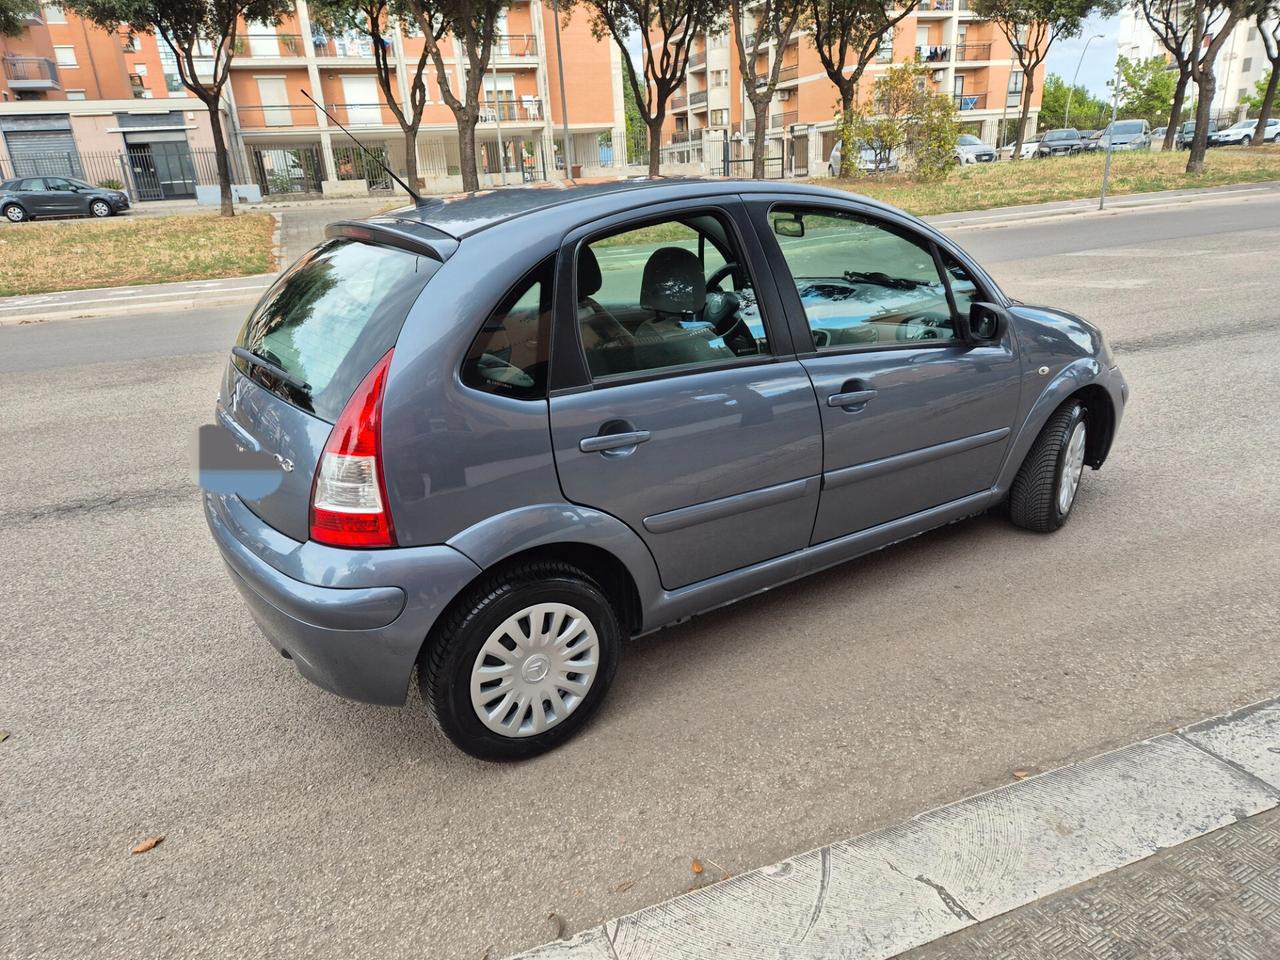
[(146, 171), (287, 168)]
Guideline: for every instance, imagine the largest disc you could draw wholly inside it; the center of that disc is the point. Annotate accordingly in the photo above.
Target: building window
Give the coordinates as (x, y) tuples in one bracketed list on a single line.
[(718, 41), (719, 78), (66, 56), (1247, 66), (1014, 97), (75, 94), (169, 64), (53, 13), (131, 43), (719, 118)]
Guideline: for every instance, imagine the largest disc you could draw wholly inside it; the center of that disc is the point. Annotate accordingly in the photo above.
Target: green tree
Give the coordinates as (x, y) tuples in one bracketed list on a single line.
[(1032, 27), (775, 22), (1213, 22), (14, 14), (1170, 24), (375, 19), (1146, 89), (1087, 110), (665, 30), (474, 27), (906, 118), (846, 35), (1265, 101), (193, 30)]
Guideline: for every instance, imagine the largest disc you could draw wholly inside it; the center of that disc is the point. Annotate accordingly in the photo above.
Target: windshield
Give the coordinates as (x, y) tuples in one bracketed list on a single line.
[(1125, 128), (1244, 125), (1061, 135), (328, 320), (969, 140)]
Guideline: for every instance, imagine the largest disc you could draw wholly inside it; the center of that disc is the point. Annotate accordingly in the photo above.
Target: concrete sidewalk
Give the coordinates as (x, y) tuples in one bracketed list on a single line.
[(970, 879), (303, 223)]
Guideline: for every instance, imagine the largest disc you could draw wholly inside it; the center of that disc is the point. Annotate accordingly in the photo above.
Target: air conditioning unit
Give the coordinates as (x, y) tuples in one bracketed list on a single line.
[(785, 94)]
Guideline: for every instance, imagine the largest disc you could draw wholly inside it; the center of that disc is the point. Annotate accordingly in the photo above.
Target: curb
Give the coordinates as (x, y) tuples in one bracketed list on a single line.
[(94, 313), (883, 893)]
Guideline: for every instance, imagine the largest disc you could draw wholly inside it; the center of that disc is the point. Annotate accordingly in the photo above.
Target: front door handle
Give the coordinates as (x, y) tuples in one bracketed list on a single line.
[(855, 398), (612, 441)]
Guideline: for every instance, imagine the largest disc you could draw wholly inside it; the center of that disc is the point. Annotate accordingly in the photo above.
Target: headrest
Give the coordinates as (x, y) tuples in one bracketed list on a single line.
[(589, 279), (673, 282)]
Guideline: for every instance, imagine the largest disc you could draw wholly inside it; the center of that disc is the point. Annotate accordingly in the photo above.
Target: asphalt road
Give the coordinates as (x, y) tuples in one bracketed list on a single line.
[(141, 701)]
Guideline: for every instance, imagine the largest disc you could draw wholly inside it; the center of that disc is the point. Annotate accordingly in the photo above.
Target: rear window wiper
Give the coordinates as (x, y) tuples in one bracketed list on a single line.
[(284, 376), (881, 280)]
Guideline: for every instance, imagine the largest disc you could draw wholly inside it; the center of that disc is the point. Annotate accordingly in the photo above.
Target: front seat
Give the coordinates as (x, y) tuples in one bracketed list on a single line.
[(674, 289), (606, 342)]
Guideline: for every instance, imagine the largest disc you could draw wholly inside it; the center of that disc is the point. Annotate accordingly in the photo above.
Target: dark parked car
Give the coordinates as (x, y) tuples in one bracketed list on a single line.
[(26, 197), (1090, 140), (1060, 143), (507, 431), (1186, 133)]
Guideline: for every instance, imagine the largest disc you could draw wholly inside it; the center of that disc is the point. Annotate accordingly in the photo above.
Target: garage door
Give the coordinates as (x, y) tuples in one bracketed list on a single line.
[(51, 152)]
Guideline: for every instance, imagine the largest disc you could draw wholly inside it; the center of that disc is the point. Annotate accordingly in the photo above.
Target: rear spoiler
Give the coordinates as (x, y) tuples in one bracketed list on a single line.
[(389, 232)]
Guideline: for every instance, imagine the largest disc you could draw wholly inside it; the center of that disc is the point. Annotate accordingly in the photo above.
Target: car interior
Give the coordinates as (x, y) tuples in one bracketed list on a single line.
[(664, 295)]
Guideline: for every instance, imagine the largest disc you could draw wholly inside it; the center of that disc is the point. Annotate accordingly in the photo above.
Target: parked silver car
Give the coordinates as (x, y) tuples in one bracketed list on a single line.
[(1126, 135), (488, 439), (969, 149)]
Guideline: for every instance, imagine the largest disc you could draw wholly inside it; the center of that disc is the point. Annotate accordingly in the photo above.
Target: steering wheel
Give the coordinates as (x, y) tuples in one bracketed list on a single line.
[(713, 281), (921, 328)]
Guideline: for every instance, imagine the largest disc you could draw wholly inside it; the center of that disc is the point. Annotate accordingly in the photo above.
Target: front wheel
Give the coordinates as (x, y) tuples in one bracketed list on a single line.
[(1044, 491), (14, 213), (100, 208), (522, 661)]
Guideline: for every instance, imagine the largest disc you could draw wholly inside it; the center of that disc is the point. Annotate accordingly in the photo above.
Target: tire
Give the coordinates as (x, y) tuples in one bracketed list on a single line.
[(1036, 499), (100, 209), (475, 629), (14, 213)]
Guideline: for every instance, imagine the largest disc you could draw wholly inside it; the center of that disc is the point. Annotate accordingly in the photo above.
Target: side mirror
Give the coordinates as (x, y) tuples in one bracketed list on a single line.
[(986, 323), (789, 228)]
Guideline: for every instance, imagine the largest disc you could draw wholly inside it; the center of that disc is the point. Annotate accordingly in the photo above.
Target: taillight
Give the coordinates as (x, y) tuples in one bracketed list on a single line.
[(349, 496)]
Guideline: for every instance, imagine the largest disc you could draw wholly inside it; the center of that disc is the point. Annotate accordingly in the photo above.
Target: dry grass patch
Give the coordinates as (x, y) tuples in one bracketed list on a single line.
[(981, 187), (56, 255)]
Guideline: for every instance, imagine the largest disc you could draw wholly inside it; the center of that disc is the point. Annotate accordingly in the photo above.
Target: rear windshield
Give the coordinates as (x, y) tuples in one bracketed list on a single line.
[(329, 319), (1126, 127)]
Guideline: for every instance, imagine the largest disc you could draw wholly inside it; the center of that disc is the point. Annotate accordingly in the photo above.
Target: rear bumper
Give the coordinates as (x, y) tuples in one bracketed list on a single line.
[(352, 621)]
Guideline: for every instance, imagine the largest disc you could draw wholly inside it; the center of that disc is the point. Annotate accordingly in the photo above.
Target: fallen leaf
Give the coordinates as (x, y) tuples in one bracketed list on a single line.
[(697, 865), (4, 735), (1021, 774), (148, 844), (624, 886), (562, 930)]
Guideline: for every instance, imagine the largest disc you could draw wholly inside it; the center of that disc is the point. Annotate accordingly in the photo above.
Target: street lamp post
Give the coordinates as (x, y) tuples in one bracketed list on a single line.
[(1066, 120)]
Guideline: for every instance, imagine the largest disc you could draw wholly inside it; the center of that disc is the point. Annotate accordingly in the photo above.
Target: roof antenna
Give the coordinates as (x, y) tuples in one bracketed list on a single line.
[(369, 153)]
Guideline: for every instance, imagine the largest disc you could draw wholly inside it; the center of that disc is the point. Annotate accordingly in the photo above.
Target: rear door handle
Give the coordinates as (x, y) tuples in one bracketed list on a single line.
[(612, 441), (855, 398)]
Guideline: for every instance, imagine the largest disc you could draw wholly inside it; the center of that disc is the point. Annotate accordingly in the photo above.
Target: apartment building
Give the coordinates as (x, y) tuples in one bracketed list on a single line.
[(86, 102), (968, 58), (1241, 63)]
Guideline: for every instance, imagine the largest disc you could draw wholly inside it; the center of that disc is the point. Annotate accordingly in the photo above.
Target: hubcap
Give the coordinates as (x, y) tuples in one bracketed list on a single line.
[(14, 214), (535, 669), (101, 209), (1072, 469)]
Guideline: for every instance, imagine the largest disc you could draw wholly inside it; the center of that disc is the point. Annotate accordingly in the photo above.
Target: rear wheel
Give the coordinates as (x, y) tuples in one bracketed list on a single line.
[(1044, 491), (522, 661), (100, 208), (14, 213)]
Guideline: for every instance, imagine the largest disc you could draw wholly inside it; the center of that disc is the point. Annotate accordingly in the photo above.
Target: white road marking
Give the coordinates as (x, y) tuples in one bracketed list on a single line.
[(882, 893)]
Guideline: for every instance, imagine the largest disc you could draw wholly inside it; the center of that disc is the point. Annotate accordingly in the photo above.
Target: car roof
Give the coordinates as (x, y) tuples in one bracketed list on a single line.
[(465, 214)]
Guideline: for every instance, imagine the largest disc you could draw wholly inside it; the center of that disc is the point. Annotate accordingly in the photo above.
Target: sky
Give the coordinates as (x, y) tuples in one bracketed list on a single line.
[(1099, 61)]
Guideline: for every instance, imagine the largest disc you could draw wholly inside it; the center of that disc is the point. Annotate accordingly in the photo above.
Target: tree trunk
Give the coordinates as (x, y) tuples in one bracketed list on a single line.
[(1028, 88), (848, 147), (411, 158), (1175, 115), (655, 143), (1200, 141), (221, 158), (467, 152), (1268, 102), (759, 140)]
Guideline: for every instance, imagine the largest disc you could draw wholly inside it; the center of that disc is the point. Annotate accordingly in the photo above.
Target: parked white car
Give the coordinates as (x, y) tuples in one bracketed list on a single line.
[(1028, 149), (1242, 132), (869, 161)]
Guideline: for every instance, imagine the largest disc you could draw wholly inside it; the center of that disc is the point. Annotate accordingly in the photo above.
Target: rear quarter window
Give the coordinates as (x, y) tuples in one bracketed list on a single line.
[(330, 318)]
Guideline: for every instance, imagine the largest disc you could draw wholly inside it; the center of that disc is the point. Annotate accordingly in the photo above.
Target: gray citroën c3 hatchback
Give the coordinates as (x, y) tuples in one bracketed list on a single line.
[(516, 428)]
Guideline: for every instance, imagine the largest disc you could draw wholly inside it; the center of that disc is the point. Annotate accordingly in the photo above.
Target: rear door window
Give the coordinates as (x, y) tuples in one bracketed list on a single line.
[(329, 319)]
